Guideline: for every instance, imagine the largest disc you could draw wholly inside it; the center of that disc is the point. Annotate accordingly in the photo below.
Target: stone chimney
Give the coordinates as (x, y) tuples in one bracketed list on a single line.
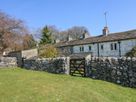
[(69, 38), (84, 35), (105, 30), (56, 41)]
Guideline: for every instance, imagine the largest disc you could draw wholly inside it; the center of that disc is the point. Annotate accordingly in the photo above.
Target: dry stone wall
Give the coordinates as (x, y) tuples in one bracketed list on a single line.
[(6, 62), (53, 65), (118, 70)]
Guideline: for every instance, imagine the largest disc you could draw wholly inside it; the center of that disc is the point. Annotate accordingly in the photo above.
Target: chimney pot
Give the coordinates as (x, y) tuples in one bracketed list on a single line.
[(105, 31)]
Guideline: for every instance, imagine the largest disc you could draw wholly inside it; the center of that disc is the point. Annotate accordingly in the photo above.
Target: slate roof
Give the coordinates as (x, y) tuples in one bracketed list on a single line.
[(102, 38)]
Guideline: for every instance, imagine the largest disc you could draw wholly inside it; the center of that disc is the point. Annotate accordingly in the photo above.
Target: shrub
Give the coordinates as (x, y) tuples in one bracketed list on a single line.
[(131, 53), (49, 51)]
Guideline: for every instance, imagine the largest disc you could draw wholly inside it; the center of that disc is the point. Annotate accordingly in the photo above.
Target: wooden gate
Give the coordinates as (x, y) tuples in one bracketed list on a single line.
[(77, 67)]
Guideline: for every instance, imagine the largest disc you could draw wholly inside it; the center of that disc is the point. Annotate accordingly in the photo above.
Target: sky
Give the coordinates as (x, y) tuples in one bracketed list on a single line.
[(64, 14)]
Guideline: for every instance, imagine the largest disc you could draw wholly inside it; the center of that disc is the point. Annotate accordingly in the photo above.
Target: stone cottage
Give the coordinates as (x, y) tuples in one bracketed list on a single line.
[(24, 54), (107, 44)]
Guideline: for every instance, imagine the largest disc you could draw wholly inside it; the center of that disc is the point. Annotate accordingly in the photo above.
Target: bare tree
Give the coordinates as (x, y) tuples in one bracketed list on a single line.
[(63, 35), (77, 31), (28, 41), (37, 33), (11, 32), (54, 32)]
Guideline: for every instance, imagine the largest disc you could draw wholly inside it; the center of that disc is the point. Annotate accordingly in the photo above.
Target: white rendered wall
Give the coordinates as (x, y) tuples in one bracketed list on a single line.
[(125, 46)]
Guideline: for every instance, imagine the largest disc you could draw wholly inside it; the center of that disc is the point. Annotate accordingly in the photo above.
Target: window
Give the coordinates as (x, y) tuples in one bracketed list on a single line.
[(111, 46), (90, 48), (114, 46), (71, 50), (81, 48), (101, 47)]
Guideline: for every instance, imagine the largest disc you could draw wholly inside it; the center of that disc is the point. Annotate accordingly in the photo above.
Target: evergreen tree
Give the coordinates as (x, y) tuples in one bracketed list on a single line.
[(46, 36)]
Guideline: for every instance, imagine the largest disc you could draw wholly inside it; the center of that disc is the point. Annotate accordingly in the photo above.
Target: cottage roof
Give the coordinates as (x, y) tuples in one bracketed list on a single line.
[(102, 38)]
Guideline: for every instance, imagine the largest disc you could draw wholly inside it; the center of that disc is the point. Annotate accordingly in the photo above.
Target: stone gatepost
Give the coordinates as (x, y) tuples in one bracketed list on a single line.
[(67, 65), (87, 65)]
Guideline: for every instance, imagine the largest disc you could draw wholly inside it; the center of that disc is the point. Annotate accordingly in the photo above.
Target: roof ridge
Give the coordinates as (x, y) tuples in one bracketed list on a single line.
[(124, 31)]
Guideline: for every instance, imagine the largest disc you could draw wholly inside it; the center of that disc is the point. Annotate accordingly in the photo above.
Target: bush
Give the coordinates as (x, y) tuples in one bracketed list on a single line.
[(131, 53), (49, 51)]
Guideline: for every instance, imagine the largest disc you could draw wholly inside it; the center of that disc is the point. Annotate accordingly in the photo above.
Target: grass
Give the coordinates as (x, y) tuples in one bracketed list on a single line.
[(20, 85)]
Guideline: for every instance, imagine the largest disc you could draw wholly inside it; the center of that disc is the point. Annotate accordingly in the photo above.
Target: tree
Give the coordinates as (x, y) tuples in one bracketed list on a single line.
[(54, 32), (11, 32), (49, 51), (37, 34), (132, 52), (46, 36), (77, 31), (63, 35), (28, 41), (50, 33)]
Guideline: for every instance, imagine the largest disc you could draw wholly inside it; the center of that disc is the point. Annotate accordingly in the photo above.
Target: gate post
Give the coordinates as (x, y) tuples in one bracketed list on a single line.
[(67, 65), (87, 65)]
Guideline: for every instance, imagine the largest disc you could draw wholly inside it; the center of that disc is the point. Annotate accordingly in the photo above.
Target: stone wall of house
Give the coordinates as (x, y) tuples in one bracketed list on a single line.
[(8, 62), (106, 51), (53, 65), (18, 56), (118, 70), (29, 53), (65, 51)]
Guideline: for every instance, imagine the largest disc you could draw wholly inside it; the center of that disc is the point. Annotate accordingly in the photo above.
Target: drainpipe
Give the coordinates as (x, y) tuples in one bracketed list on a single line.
[(71, 49), (98, 52), (119, 49)]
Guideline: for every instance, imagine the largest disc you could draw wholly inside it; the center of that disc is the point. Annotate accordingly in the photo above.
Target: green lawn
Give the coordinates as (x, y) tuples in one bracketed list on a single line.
[(20, 85)]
